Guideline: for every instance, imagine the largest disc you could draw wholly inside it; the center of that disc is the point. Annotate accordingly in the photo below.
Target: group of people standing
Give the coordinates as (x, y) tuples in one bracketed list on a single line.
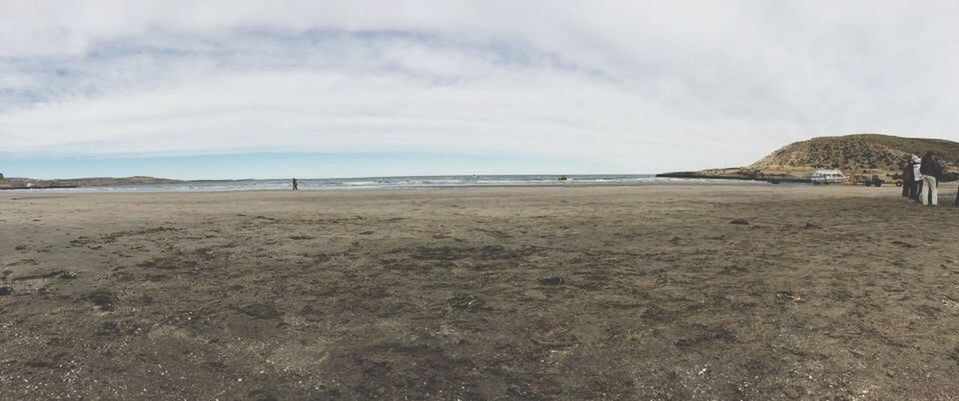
[(921, 178)]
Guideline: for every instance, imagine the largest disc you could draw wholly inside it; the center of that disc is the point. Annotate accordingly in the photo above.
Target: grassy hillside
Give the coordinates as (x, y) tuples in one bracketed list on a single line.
[(946, 150), (856, 152), (857, 156)]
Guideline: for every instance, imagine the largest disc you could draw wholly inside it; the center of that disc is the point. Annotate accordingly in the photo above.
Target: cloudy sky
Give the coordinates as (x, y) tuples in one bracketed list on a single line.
[(241, 88)]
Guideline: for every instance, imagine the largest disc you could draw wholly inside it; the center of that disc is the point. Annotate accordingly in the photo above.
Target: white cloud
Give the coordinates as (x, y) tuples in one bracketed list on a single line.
[(645, 86)]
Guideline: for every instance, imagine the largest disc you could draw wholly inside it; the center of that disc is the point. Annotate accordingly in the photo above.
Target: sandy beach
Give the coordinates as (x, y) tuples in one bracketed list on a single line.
[(588, 293)]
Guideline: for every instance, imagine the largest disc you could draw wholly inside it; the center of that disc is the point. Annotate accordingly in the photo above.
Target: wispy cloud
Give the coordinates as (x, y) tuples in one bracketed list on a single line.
[(645, 86)]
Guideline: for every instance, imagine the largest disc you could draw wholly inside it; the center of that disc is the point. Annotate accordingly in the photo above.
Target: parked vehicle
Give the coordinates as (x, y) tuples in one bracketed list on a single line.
[(827, 177), (875, 181)]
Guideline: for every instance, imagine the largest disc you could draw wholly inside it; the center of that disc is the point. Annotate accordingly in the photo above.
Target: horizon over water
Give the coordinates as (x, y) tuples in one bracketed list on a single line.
[(402, 182)]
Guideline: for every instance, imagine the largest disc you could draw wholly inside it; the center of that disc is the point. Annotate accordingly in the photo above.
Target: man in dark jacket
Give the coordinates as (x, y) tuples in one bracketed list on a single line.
[(908, 181), (931, 175)]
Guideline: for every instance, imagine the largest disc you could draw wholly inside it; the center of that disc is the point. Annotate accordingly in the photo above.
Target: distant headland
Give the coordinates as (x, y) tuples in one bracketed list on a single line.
[(25, 183), (858, 156)]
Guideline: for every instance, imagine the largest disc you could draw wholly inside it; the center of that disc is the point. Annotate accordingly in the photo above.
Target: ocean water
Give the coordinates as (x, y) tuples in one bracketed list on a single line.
[(404, 182)]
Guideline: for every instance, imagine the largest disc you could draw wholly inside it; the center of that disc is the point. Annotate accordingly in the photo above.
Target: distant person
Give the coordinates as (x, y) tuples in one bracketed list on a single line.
[(916, 189), (296, 185), (931, 175)]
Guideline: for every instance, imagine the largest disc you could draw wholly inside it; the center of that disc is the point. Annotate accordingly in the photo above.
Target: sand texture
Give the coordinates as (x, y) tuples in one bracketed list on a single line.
[(598, 293)]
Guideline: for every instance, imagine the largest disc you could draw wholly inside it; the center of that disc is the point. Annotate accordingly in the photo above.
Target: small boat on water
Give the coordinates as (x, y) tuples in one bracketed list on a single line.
[(827, 177)]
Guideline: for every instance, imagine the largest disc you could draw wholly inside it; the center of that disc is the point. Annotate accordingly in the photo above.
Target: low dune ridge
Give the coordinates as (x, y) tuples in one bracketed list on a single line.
[(22, 183)]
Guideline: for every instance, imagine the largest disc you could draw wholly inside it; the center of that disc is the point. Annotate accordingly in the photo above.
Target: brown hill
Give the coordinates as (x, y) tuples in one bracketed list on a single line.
[(855, 154), (858, 156)]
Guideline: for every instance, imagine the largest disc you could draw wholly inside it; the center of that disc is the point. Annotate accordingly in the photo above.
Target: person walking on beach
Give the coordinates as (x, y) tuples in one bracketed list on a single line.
[(296, 185), (931, 175)]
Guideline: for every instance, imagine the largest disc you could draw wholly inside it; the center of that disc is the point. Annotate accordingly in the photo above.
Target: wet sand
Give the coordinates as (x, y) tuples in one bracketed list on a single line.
[(598, 293)]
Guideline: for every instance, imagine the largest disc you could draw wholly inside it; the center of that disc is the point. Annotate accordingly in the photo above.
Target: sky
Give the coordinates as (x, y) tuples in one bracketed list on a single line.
[(269, 89)]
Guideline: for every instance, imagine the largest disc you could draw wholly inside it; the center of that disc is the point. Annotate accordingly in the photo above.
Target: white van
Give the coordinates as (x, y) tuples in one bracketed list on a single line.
[(827, 177)]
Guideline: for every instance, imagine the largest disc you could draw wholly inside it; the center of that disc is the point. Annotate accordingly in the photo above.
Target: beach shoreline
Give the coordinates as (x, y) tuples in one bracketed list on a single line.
[(396, 182)]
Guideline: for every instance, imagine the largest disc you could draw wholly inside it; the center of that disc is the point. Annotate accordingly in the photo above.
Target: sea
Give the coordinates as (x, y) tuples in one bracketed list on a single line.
[(404, 183)]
